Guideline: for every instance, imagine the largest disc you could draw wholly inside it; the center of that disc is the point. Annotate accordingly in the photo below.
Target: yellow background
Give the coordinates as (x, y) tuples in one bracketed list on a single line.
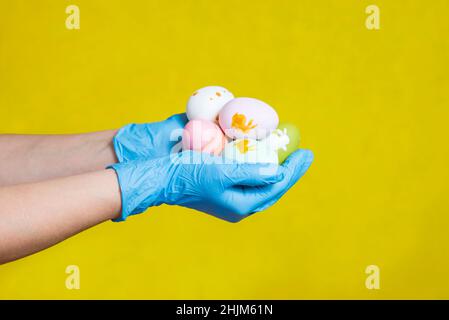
[(372, 105)]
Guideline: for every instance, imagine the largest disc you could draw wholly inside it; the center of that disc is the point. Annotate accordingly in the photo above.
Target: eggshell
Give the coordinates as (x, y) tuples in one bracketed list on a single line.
[(292, 132), (250, 151), (248, 118), (203, 136), (206, 103)]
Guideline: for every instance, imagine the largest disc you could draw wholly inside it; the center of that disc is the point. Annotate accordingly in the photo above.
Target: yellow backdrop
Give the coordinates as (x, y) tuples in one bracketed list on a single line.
[(371, 104)]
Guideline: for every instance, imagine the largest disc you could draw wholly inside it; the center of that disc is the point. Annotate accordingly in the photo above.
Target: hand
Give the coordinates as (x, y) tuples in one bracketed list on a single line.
[(149, 140), (230, 191)]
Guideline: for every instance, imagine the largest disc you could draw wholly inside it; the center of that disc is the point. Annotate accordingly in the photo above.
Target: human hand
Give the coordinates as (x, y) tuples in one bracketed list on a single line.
[(229, 191), (149, 140)]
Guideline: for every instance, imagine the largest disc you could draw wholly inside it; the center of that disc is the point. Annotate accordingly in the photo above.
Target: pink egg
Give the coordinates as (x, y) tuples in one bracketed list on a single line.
[(247, 118), (203, 136)]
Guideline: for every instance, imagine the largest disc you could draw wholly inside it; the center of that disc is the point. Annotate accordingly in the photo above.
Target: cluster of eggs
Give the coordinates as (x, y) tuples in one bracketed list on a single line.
[(241, 129)]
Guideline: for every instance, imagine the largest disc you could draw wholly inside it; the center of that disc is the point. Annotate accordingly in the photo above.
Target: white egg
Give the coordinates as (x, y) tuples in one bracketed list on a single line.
[(206, 103), (250, 151), (257, 151)]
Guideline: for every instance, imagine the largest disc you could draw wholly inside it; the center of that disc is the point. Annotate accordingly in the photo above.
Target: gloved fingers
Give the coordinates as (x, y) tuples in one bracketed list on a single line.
[(249, 174), (169, 129), (236, 203), (179, 119), (298, 162), (295, 166), (293, 169)]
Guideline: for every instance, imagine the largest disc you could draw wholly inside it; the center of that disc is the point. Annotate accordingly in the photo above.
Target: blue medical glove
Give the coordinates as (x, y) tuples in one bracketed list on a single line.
[(149, 140), (230, 191)]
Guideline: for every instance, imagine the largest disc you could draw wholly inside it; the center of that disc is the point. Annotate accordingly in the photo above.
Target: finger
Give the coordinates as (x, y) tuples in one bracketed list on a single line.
[(300, 159), (237, 203), (180, 119), (251, 174), (293, 169)]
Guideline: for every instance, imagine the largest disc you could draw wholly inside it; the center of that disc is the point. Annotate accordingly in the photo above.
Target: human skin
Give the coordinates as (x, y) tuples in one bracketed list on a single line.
[(32, 158), (52, 187), (37, 215)]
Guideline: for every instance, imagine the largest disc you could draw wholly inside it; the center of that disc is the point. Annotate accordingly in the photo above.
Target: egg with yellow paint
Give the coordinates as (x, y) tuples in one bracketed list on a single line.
[(206, 103), (257, 151), (247, 118)]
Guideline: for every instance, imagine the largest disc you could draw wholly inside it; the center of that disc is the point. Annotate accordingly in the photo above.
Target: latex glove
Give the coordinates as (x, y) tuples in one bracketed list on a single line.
[(149, 140), (230, 191)]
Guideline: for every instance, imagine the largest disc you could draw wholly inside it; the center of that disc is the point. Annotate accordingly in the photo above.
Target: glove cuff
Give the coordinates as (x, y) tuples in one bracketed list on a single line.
[(132, 141), (138, 192)]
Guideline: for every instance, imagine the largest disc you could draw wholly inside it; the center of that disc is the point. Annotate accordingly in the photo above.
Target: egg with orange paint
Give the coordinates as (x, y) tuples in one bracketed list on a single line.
[(247, 118), (206, 103)]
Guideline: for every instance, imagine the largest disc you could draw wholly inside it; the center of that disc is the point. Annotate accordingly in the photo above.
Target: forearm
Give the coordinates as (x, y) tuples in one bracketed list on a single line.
[(38, 215), (32, 158)]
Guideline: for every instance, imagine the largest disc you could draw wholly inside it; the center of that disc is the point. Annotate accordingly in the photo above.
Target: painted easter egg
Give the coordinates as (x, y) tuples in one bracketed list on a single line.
[(206, 103), (247, 118), (250, 151), (293, 136), (204, 136)]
